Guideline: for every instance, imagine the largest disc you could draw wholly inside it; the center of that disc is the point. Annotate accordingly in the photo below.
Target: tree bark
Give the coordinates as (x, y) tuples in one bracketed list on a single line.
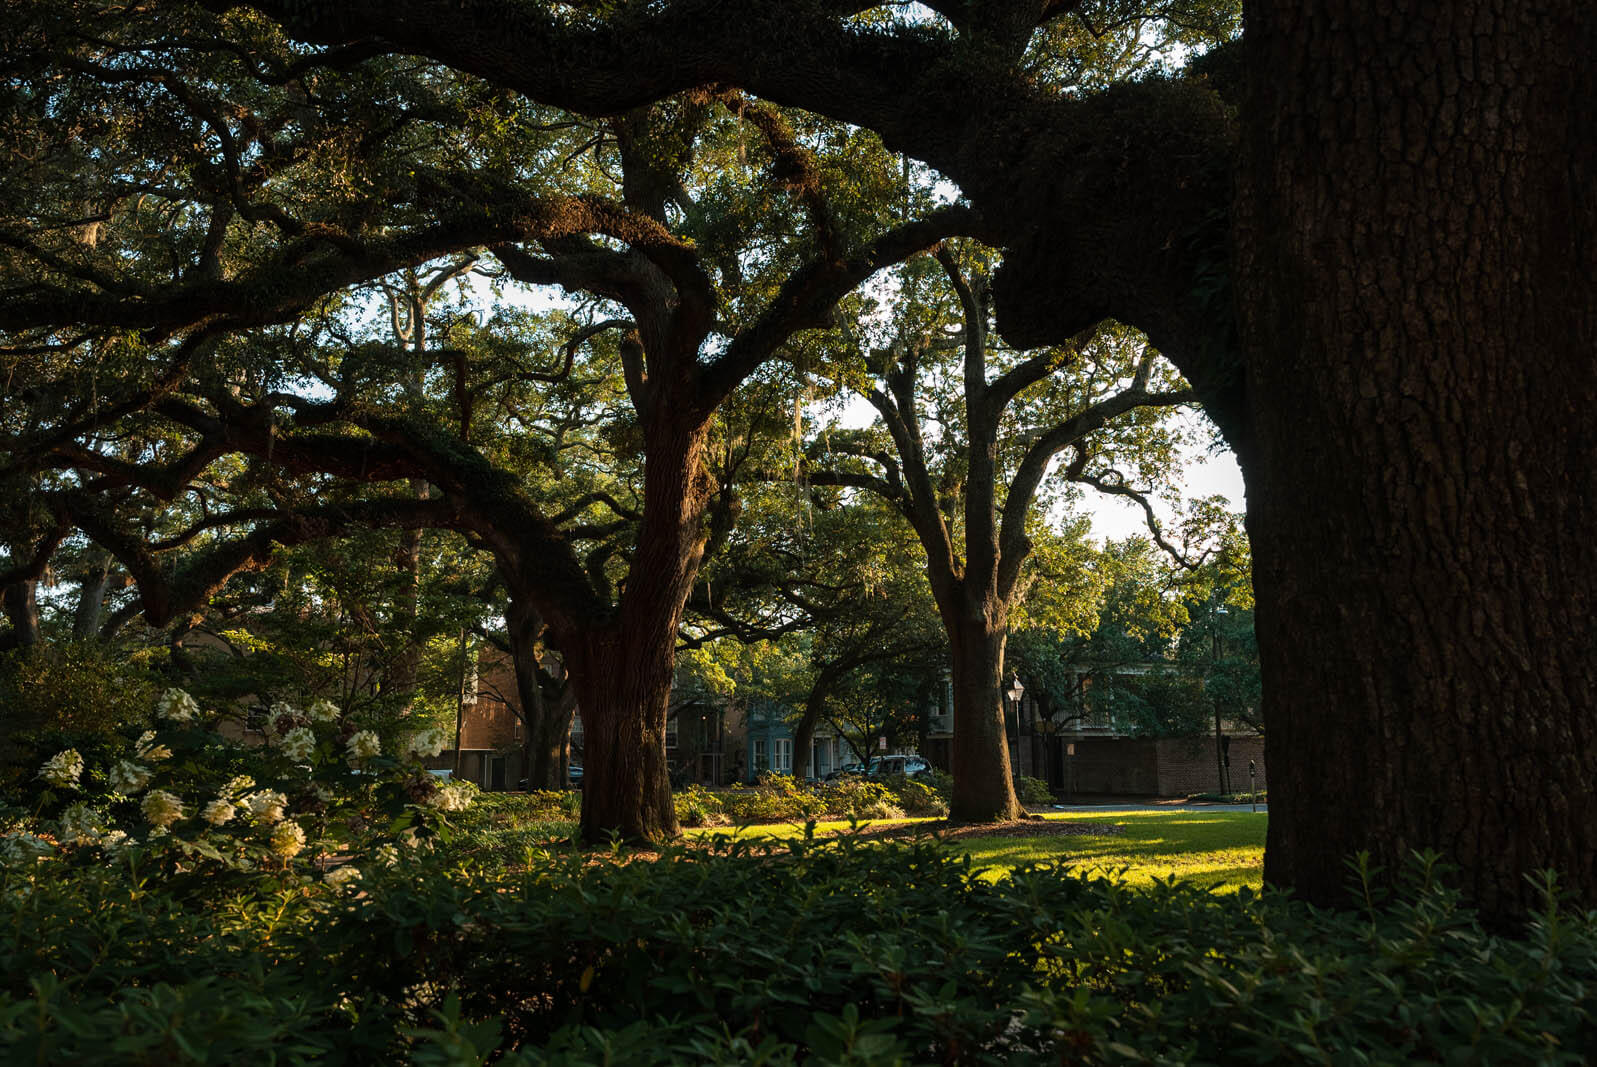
[(814, 709), (22, 609), (984, 789), (95, 579), (624, 688), (400, 680), (544, 743), (622, 672), (1417, 269)]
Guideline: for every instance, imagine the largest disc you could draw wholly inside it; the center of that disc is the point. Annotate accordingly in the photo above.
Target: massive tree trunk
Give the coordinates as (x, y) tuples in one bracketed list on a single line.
[(984, 788), (622, 671), (624, 688), (1417, 252)]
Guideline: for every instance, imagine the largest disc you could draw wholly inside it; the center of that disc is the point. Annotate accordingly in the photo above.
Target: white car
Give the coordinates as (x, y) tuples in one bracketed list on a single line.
[(888, 766)]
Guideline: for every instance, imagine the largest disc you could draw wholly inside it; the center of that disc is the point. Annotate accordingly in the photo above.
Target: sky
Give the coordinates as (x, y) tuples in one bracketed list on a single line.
[(1206, 474)]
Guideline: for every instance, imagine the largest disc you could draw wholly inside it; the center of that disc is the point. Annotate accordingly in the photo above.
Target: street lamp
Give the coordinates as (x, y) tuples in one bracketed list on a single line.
[(1014, 693), (1222, 758)]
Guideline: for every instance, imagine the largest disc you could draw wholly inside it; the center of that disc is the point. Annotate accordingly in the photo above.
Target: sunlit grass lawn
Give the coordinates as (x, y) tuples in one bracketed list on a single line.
[(1210, 848)]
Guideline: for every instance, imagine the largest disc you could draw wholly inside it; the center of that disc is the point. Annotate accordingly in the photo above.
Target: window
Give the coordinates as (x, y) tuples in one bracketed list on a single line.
[(784, 755), (762, 762), (671, 732)]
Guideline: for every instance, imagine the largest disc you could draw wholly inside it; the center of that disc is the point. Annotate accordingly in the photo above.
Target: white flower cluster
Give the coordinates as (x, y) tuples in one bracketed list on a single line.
[(342, 876), (267, 806), (323, 711), (177, 706), (81, 825), (218, 812), (161, 809), (387, 855), (362, 746), (287, 840), (63, 769), (127, 777), (424, 743), (22, 848), (146, 748), (298, 744), (456, 796)]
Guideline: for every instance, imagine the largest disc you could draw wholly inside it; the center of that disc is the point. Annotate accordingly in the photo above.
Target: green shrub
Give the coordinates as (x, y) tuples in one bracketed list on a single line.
[(1033, 792), (697, 806), (194, 802), (68, 695), (774, 798), (825, 952), (860, 798), (548, 804), (919, 798)]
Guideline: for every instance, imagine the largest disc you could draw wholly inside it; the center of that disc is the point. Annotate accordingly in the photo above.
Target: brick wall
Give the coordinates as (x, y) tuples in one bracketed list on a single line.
[(492, 722), (1170, 767), (1187, 765), (1113, 765)]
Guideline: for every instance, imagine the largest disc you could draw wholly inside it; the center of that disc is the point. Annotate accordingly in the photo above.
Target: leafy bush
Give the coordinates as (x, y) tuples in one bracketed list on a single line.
[(196, 801), (774, 798), (544, 804), (65, 695), (697, 806), (826, 952), (1232, 798), (1033, 792), (919, 798), (859, 798)]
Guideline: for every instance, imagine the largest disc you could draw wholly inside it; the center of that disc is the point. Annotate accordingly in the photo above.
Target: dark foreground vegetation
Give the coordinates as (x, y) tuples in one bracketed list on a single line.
[(820, 952)]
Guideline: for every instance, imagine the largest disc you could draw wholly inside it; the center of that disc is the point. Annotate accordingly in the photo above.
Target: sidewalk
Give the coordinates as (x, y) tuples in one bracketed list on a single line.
[(1166, 804)]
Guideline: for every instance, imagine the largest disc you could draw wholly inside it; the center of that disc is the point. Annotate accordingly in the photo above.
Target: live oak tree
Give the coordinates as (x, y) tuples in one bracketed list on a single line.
[(694, 312), (972, 431), (1376, 267), (1365, 238)]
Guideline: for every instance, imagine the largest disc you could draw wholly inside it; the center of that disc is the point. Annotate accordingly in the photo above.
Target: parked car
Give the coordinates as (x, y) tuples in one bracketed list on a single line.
[(442, 775), (890, 766), (847, 770), (574, 774)]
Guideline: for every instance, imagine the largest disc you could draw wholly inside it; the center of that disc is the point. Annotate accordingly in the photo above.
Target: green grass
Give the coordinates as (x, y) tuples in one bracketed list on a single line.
[(1223, 849), (1209, 848)]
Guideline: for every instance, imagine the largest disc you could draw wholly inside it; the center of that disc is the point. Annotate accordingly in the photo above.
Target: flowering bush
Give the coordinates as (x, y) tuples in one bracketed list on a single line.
[(127, 777), (63, 769), (426, 743), (299, 743), (343, 876), (287, 840), (177, 706), (161, 809), (362, 746), (317, 785)]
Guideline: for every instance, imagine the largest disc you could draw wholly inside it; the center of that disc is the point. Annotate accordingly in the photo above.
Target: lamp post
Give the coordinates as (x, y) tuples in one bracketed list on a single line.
[(1220, 759), (1014, 693)]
